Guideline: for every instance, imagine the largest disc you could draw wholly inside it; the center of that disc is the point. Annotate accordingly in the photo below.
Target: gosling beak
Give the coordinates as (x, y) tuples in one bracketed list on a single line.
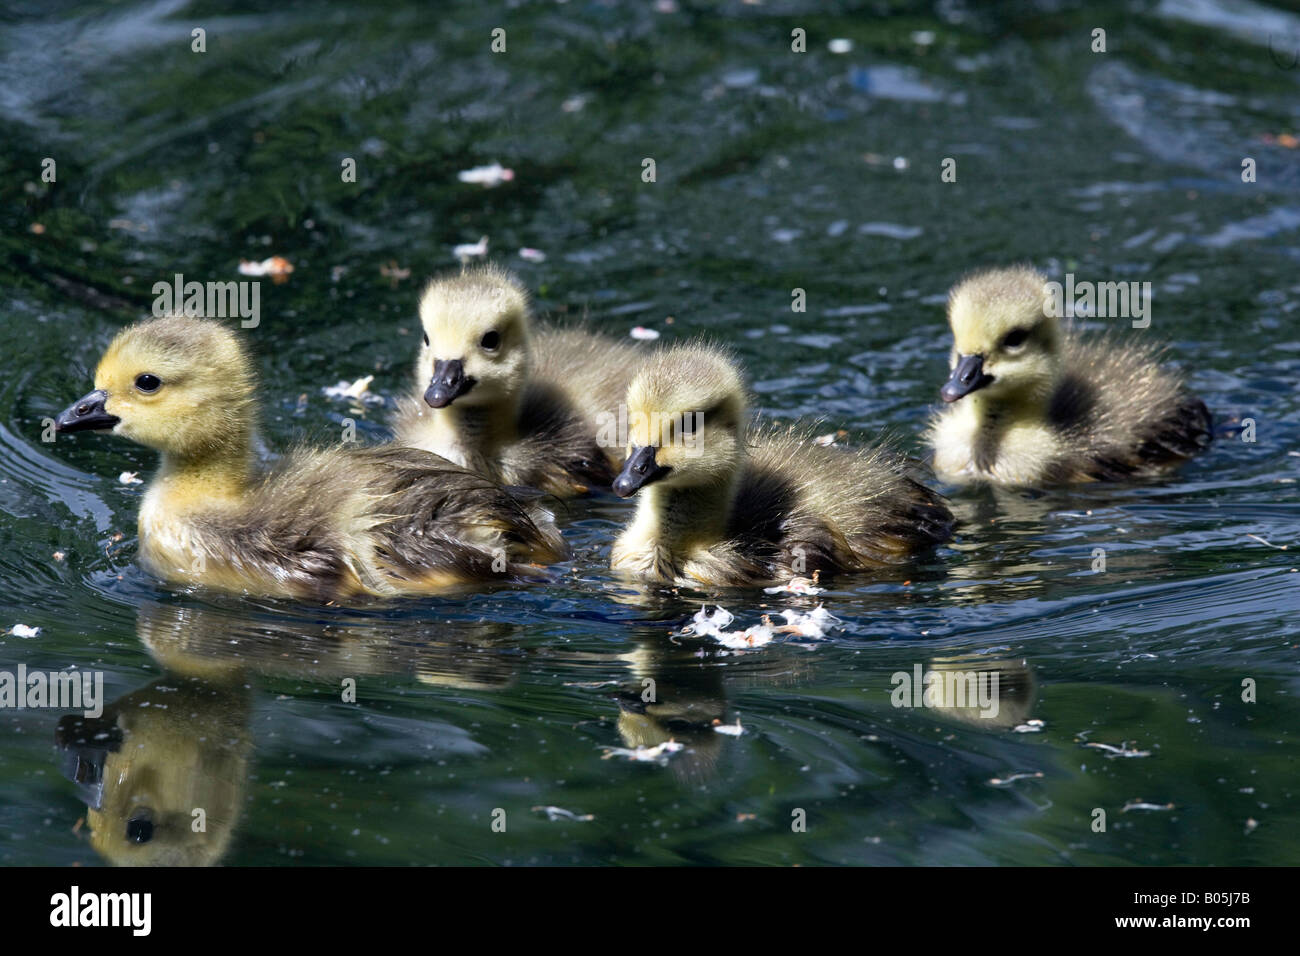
[(638, 471), (448, 384), (86, 414), (967, 377)]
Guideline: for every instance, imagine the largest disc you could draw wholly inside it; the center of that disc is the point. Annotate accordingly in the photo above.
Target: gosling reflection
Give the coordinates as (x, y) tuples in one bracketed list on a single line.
[(991, 695), (162, 771), (670, 697), (672, 694), (218, 643), (1001, 533), (1014, 543)]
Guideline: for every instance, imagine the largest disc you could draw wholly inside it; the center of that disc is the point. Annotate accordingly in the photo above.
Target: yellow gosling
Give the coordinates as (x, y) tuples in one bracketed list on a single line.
[(523, 406), (1031, 403), (325, 524), (721, 504)]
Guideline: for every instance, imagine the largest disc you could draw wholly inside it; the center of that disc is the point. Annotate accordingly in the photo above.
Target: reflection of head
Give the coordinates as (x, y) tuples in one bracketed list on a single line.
[(673, 698), (960, 688), (151, 761)]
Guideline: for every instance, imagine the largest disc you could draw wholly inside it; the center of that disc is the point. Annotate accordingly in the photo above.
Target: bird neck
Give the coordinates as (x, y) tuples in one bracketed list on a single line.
[(682, 519), (216, 476), (994, 419), (1026, 404), (475, 434), (1005, 409)]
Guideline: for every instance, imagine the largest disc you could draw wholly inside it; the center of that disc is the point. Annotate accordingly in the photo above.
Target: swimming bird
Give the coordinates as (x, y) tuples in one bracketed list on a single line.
[(1032, 403), (522, 405), (324, 524), (722, 503)]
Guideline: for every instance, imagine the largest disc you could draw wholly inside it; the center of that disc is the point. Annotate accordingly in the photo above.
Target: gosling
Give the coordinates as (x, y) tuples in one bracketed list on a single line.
[(724, 505), (522, 406), (325, 524), (1031, 403)]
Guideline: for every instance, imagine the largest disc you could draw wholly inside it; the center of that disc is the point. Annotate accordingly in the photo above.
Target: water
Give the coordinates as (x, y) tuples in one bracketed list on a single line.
[(775, 171)]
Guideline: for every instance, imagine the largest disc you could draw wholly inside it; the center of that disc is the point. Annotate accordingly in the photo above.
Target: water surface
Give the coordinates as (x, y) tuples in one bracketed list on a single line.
[(775, 171)]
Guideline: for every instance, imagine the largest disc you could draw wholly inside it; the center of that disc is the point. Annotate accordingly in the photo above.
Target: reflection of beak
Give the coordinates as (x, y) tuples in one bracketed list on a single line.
[(86, 414), (449, 382), (638, 471), (967, 377), (85, 743)]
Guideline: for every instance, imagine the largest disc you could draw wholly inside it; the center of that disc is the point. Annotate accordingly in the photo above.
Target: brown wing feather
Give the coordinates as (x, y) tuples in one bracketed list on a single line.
[(802, 507), (1122, 413), (388, 519), (557, 450), (592, 371)]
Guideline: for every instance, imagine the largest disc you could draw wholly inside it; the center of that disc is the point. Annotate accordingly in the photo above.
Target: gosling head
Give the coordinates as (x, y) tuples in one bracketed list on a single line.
[(1004, 341), (686, 411), (475, 348), (180, 385)]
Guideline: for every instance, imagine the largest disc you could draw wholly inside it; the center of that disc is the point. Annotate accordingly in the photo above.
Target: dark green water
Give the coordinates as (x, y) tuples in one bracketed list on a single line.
[(775, 171)]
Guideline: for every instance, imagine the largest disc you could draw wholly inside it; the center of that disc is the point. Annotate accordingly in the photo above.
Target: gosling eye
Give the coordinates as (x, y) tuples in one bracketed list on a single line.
[(139, 829), (491, 341), (1015, 338), (426, 338), (148, 383)]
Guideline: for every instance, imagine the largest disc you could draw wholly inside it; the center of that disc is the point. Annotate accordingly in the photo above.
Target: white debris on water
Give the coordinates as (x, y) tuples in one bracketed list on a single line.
[(1143, 805), (814, 623), (471, 250), (358, 390), (799, 585), (1122, 750), (559, 813), (1012, 778), (890, 230), (715, 626), (488, 176), (277, 267), (807, 624), (731, 730), (658, 754)]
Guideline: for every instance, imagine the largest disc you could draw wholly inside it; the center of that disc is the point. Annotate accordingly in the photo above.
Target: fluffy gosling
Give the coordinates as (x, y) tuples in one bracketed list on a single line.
[(1031, 403), (523, 406), (325, 524), (721, 504)]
